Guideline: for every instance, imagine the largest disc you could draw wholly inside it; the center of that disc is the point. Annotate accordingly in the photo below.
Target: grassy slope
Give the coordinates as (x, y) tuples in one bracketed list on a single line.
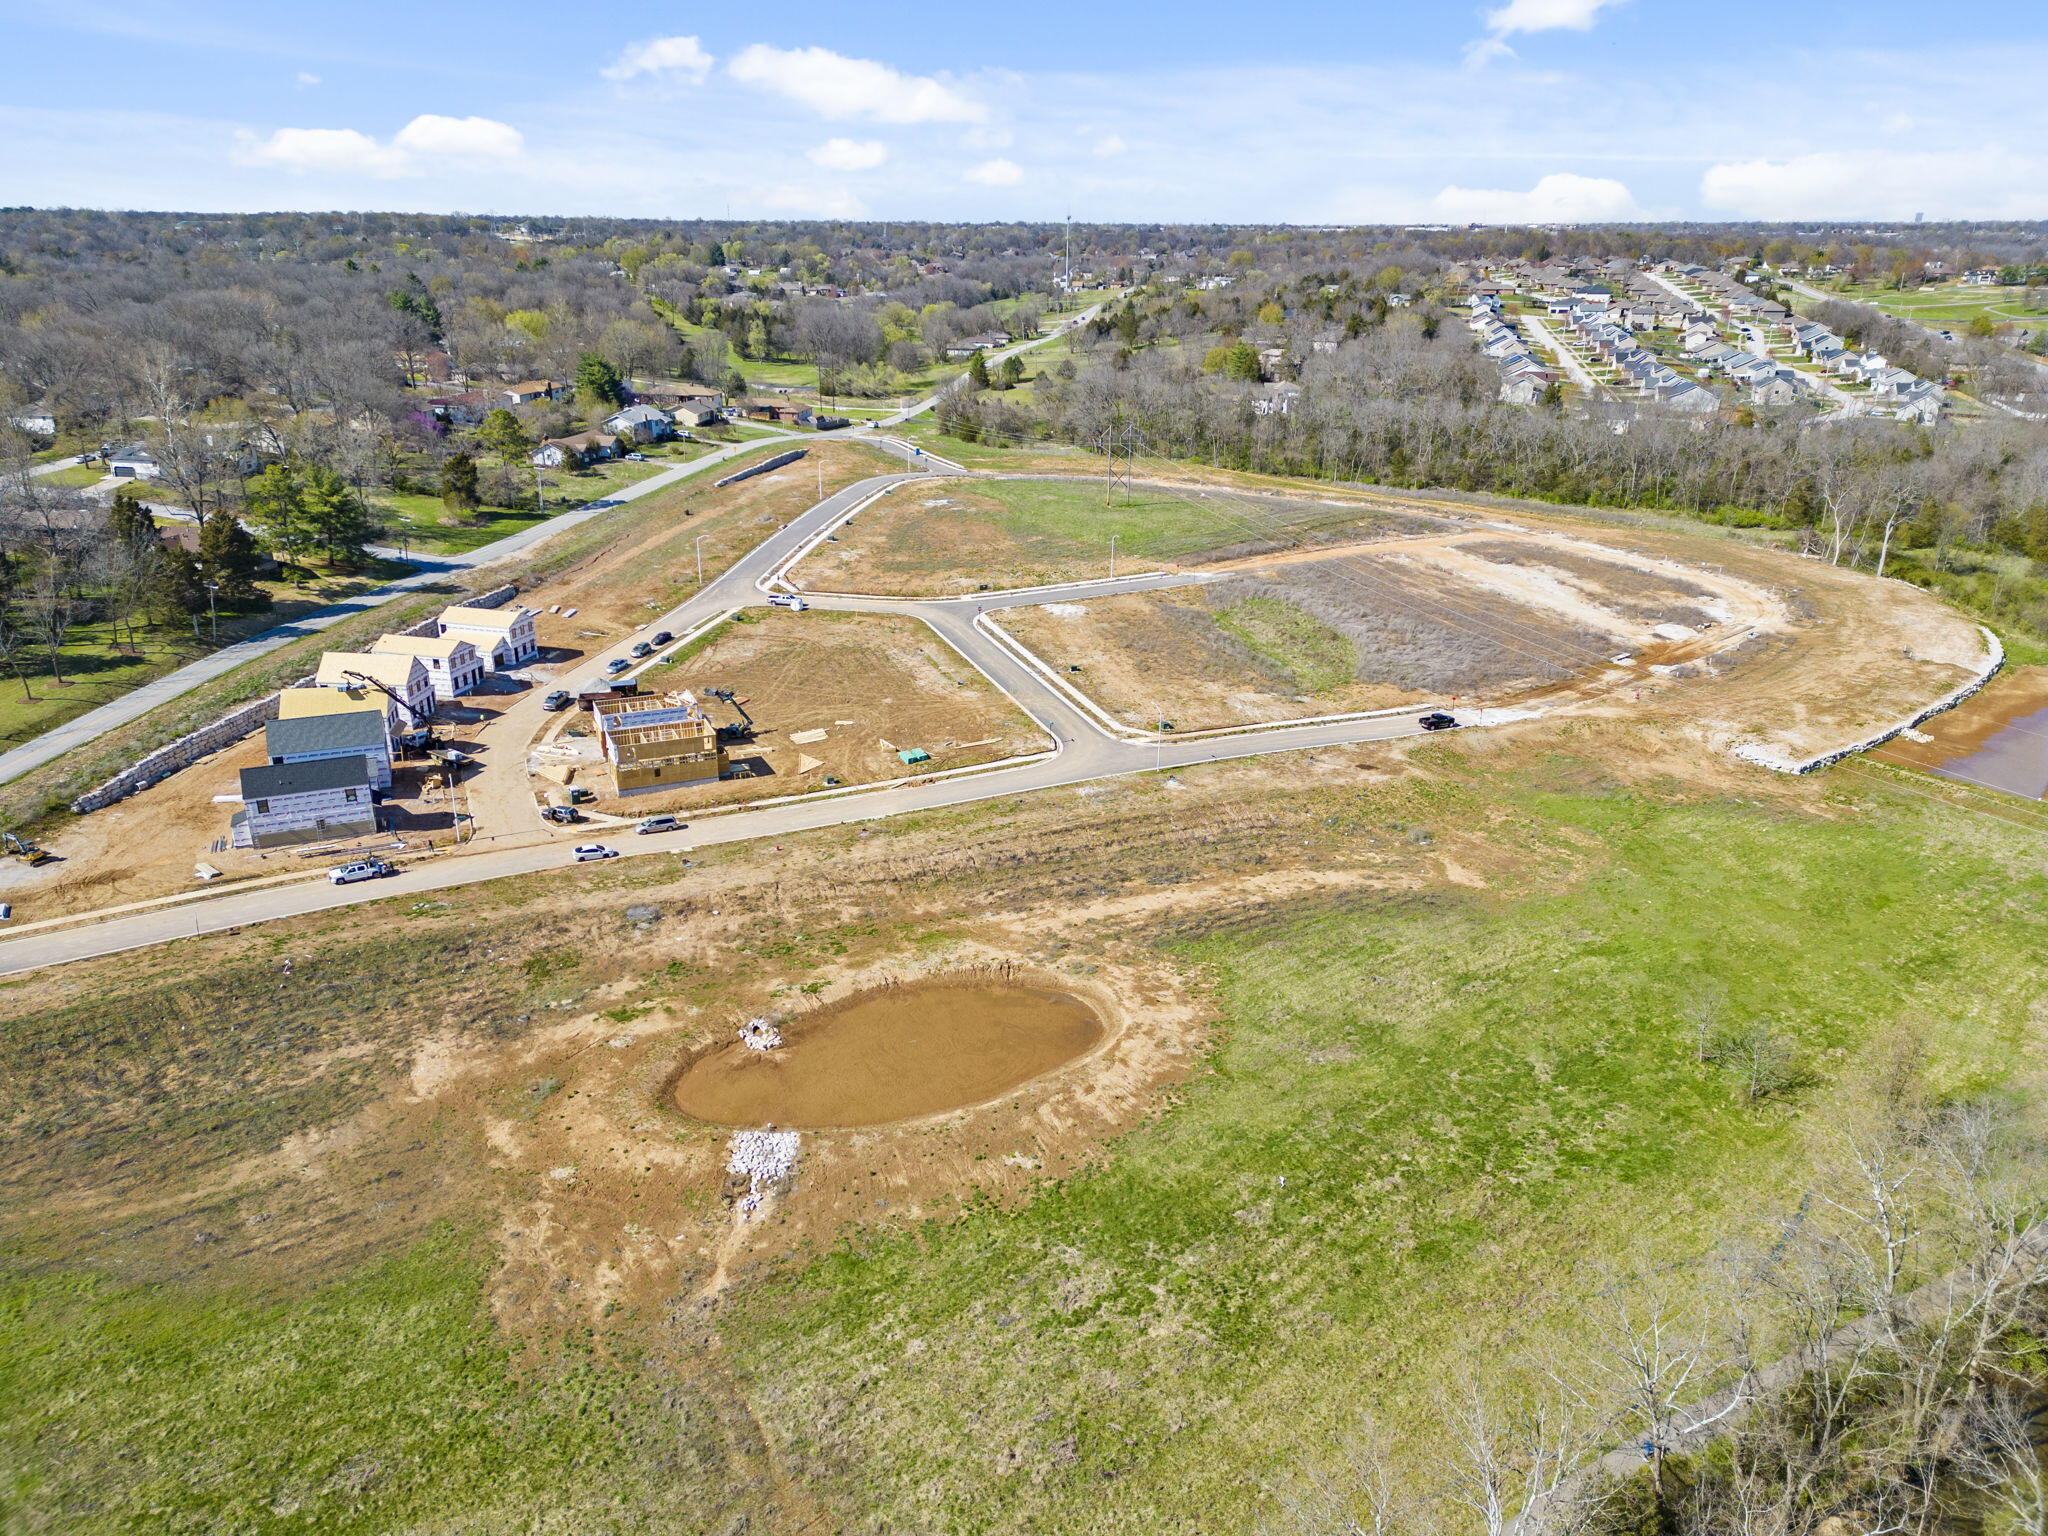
[(1468, 1097)]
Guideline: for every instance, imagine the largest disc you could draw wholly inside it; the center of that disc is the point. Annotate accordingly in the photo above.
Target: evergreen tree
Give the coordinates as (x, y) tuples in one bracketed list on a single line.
[(128, 520), (598, 381), (228, 558), (1012, 372), (336, 518), (277, 506), (977, 371), (458, 485)]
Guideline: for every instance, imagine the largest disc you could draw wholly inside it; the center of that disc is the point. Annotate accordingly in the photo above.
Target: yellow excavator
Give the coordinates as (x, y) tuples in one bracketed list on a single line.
[(24, 850)]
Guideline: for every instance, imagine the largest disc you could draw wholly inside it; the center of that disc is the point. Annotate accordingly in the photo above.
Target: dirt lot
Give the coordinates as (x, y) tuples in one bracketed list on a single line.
[(147, 845), (1766, 646), (873, 684), (1310, 632), (938, 540)]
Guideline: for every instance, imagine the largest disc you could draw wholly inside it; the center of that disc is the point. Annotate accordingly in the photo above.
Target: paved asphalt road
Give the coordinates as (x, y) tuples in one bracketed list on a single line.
[(95, 723), (1083, 751)]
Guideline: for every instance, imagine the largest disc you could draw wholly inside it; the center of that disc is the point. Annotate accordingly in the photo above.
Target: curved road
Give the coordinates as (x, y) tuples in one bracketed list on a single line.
[(1082, 750)]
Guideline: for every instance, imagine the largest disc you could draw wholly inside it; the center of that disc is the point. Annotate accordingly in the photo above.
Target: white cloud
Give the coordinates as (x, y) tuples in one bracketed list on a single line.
[(996, 173), (478, 138), (684, 56), (840, 88), (1559, 198), (1545, 16), (850, 154), (340, 150), (1519, 16), (1986, 183), (1109, 145), (344, 151), (307, 78)]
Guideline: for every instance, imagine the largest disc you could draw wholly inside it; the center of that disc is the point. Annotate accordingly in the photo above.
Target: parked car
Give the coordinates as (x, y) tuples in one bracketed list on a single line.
[(793, 601), (641, 649), (637, 458), (563, 815), (361, 869), (660, 824), (662, 637), (1437, 720), (585, 852), (557, 701), (616, 665)]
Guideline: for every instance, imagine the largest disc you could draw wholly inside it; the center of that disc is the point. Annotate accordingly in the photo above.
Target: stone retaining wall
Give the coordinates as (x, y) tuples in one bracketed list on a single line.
[(1764, 757), (231, 728), (763, 467)]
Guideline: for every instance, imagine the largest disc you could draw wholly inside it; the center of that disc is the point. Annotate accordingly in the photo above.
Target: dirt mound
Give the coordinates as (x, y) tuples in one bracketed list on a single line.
[(897, 1054)]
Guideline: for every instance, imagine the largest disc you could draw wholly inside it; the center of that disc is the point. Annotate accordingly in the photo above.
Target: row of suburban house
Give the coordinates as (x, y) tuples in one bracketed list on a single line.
[(1899, 391), (1522, 378), (1651, 375), (330, 750)]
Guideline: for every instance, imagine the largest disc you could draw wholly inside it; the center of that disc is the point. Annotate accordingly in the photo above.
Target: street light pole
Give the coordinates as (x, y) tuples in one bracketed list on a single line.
[(1112, 556), (212, 615), (700, 558)]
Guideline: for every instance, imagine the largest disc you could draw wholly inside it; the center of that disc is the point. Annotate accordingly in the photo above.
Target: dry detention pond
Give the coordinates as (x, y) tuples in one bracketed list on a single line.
[(897, 1053)]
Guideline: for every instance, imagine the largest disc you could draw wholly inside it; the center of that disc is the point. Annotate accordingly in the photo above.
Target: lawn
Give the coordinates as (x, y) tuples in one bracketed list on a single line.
[(96, 671), (423, 522), (1948, 306), (1433, 1123)]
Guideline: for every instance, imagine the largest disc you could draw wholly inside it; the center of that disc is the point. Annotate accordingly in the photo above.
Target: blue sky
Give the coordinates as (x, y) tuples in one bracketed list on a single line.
[(1308, 113)]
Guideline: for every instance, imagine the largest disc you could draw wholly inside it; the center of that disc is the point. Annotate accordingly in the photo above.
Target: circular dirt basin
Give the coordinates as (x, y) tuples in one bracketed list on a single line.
[(898, 1053)]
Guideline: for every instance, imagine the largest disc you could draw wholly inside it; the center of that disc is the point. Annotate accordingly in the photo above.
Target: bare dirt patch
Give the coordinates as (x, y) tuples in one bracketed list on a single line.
[(897, 1054), (859, 688)]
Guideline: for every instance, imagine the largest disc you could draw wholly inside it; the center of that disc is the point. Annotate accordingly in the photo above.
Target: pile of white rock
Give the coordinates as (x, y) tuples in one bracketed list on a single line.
[(760, 1034), (766, 1158)]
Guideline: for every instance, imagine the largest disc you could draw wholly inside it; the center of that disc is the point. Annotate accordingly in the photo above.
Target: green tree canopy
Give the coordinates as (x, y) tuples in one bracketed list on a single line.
[(598, 381)]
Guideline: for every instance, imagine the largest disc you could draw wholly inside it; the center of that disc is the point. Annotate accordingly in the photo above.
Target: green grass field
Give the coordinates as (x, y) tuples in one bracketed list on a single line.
[(1948, 306), (1319, 659), (1429, 1123)]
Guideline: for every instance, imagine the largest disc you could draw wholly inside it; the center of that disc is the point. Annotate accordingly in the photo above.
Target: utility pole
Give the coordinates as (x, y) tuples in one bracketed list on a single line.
[(1069, 285), (1119, 445), (212, 616), (1112, 556), (700, 558)]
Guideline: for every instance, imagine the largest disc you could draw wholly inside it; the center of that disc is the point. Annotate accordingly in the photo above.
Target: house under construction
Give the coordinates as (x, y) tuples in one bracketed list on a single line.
[(658, 741)]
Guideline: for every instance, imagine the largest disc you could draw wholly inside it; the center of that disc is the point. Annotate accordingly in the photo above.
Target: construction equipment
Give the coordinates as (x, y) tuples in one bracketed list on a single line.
[(744, 730), (24, 850)]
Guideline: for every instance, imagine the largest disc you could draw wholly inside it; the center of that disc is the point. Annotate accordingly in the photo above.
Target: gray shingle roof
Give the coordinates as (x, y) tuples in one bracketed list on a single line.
[(360, 729), (276, 780)]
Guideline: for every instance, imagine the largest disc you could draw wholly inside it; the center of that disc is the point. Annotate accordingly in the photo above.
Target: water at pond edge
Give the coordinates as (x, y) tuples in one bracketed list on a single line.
[(892, 1054)]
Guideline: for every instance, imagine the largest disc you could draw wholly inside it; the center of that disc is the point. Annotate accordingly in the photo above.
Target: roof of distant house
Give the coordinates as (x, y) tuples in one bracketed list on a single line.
[(360, 729), (443, 646), (273, 780), (484, 618), (306, 703), (394, 672)]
